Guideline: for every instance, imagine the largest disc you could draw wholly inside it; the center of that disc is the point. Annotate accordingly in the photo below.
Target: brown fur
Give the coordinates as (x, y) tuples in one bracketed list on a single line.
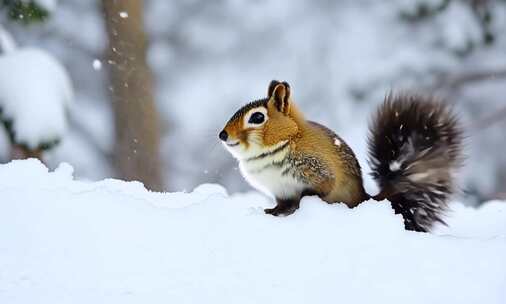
[(346, 185), (279, 127)]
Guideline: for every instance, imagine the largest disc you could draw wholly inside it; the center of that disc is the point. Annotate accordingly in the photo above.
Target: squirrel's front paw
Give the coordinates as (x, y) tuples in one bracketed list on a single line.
[(280, 211), (273, 211)]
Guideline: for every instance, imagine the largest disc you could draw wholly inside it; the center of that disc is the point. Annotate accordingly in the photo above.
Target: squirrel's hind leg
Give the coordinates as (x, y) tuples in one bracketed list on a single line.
[(284, 207)]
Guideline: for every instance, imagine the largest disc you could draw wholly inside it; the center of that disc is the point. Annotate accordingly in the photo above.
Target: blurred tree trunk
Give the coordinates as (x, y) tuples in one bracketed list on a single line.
[(136, 118)]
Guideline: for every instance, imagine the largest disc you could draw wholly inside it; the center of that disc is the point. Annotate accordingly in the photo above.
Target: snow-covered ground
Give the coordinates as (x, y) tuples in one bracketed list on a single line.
[(68, 241)]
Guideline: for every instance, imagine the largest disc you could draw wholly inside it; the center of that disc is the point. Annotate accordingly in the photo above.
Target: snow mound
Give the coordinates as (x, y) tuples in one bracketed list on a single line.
[(34, 92), (67, 241)]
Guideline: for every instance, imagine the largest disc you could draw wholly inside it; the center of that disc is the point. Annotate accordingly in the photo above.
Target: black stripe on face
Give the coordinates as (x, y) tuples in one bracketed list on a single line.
[(270, 153), (249, 106)]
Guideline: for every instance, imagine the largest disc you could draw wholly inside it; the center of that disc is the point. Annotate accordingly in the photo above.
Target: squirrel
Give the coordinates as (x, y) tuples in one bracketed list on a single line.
[(415, 145)]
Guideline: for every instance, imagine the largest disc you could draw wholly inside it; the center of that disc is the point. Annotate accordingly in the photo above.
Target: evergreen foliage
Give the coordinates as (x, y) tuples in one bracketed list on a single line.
[(25, 12)]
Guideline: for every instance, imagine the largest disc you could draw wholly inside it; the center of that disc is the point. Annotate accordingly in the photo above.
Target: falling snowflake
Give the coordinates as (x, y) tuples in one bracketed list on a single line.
[(97, 64)]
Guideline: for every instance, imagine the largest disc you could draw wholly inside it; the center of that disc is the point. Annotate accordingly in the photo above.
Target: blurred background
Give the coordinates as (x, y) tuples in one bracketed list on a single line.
[(138, 90)]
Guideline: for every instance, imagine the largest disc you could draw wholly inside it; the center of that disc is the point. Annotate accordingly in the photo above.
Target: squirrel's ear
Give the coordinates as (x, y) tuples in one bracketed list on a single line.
[(281, 97), (271, 87)]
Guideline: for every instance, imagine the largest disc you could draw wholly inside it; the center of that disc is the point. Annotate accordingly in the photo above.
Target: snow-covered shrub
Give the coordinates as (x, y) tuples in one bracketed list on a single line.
[(35, 90)]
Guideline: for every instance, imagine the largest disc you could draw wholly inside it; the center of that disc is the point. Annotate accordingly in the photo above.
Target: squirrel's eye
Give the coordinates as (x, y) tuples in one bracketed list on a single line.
[(256, 118)]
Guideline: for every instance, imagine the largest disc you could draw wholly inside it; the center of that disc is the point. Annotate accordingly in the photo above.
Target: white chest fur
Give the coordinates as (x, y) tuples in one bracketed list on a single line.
[(269, 175)]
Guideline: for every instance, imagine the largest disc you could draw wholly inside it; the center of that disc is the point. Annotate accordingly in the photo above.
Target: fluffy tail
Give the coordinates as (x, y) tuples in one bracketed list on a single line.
[(415, 144)]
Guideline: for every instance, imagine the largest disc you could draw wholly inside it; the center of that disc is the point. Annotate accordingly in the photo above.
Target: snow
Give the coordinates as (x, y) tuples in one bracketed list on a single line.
[(69, 241), (97, 64), (34, 92)]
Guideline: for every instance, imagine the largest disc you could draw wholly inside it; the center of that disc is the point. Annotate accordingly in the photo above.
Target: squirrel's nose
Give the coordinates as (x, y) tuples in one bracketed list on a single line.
[(223, 135)]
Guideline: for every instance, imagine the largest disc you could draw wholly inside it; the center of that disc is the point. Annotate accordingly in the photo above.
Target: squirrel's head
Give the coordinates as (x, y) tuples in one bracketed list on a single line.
[(263, 124)]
